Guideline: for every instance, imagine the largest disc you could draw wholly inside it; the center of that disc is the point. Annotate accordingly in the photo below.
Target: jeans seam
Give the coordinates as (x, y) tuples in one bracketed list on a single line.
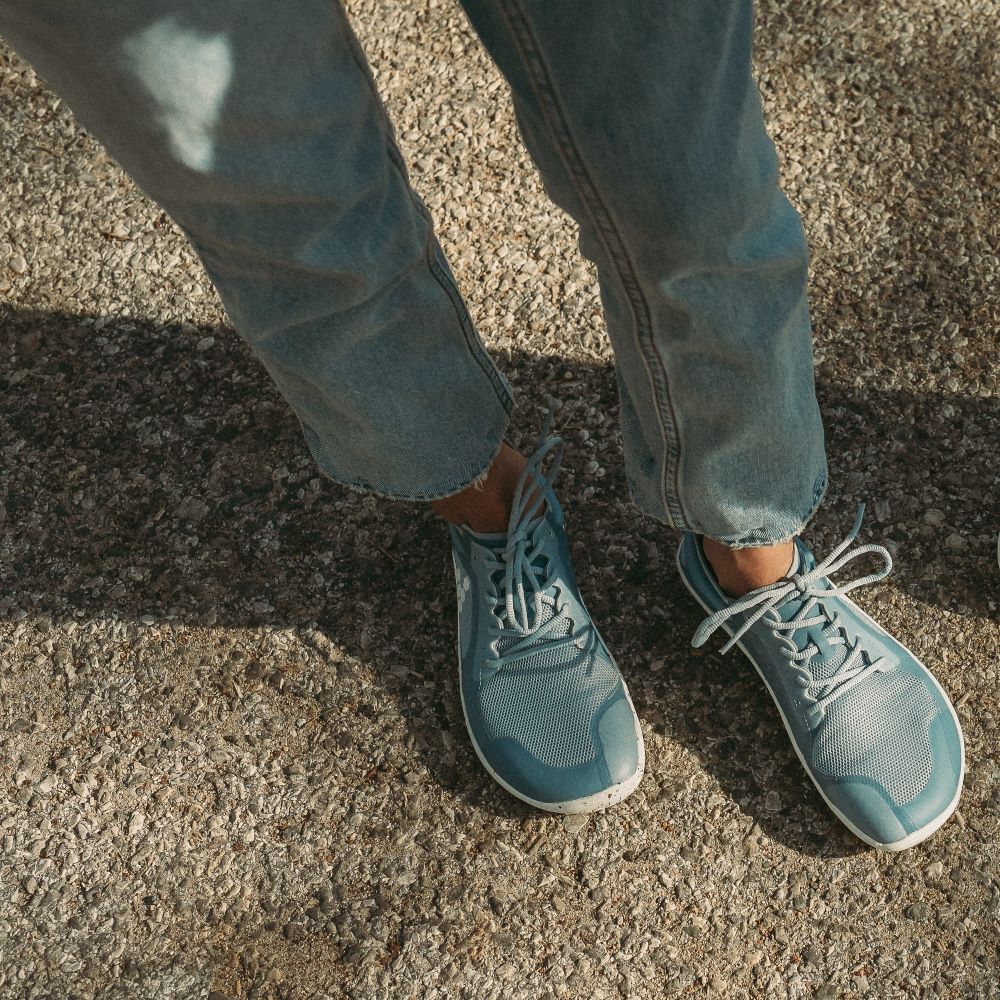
[(472, 341), (541, 80), (447, 285)]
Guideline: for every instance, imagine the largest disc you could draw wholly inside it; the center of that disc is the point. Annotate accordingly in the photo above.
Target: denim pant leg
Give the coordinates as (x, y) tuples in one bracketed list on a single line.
[(646, 124), (258, 128)]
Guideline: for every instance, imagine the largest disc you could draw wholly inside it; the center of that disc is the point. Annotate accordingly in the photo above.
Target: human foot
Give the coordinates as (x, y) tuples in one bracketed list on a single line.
[(739, 571), (485, 505), (874, 730), (546, 707)]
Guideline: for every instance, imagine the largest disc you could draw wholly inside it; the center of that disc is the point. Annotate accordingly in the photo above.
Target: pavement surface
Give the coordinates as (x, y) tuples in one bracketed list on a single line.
[(232, 756)]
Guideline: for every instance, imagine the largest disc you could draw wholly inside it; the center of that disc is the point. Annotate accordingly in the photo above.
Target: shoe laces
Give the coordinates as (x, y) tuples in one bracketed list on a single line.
[(856, 664), (531, 610)]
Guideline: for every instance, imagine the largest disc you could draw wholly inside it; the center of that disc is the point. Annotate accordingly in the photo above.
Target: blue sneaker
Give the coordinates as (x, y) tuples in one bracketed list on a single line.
[(872, 727), (546, 707)]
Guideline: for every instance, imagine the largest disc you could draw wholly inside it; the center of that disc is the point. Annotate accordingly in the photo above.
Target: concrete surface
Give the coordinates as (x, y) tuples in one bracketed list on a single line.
[(232, 756)]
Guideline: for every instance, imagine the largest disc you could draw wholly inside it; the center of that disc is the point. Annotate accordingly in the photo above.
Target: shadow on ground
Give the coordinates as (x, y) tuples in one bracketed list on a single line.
[(148, 472)]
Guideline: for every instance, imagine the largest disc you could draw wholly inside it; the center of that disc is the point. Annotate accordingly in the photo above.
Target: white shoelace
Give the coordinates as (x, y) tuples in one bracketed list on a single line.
[(856, 665), (523, 608)]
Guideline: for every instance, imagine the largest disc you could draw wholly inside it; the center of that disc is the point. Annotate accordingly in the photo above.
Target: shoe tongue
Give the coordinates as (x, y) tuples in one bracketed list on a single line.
[(493, 540), (796, 562), (803, 558), (497, 540), (800, 563), (830, 658)]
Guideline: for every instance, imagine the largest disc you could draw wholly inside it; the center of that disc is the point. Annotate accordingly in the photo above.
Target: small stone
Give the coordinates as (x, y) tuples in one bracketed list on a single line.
[(956, 543), (933, 516), (935, 870), (294, 931), (574, 824), (812, 954), (18, 264), (670, 790), (772, 802), (353, 955), (205, 343), (136, 824), (917, 911)]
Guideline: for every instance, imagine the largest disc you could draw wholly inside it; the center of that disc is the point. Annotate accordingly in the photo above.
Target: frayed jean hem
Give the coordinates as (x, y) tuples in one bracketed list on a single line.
[(473, 473), (779, 532)]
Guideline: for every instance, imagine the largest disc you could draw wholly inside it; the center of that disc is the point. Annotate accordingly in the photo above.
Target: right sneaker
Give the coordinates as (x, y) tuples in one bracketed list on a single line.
[(546, 707), (874, 730)]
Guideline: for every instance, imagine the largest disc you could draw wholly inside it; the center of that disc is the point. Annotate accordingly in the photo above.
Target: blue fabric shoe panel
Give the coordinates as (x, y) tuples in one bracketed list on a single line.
[(873, 728), (545, 704)]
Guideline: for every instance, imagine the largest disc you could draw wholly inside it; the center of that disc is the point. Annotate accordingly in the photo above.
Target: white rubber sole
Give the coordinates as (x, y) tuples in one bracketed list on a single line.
[(911, 840), (589, 803)]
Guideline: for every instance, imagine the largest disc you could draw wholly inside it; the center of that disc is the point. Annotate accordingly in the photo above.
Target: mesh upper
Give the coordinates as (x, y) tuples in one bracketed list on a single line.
[(546, 702), (824, 669), (880, 731), (545, 616)]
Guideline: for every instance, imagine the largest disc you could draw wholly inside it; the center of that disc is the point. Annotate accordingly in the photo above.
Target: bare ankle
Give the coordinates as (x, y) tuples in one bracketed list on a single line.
[(485, 505), (741, 570)]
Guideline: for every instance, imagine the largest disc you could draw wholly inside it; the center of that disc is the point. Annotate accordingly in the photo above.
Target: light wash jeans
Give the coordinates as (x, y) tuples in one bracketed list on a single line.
[(257, 126)]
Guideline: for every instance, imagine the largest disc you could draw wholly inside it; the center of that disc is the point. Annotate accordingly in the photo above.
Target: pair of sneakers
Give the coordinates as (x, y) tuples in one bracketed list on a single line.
[(550, 716)]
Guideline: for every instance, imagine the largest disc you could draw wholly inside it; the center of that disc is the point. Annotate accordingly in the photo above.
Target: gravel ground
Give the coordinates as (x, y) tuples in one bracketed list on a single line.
[(231, 748)]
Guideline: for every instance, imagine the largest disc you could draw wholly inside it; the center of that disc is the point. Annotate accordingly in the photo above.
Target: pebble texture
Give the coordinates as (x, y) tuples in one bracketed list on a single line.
[(232, 755)]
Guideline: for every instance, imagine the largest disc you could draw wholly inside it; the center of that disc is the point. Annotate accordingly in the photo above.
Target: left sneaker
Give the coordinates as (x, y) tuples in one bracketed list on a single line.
[(872, 727), (547, 710)]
